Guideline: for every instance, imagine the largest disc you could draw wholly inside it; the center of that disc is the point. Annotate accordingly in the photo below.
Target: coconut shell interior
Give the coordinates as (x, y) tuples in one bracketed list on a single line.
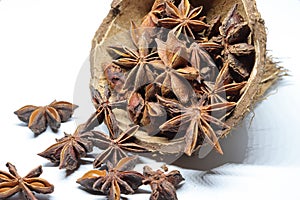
[(114, 30)]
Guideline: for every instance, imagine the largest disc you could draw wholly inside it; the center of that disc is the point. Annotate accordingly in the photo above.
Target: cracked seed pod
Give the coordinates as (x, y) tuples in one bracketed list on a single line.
[(262, 74)]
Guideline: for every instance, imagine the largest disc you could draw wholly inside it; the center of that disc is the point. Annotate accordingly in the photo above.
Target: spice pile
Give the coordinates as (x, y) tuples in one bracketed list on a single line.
[(180, 81)]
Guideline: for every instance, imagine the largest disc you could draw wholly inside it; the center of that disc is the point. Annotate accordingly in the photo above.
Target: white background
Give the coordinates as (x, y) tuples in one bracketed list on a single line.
[(43, 48)]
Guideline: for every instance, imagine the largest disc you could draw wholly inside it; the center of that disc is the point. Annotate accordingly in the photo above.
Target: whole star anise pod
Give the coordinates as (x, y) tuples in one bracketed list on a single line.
[(183, 19), (223, 88), (139, 61), (104, 111), (68, 150), (38, 117), (175, 69), (163, 185), (12, 183), (197, 121), (116, 180), (115, 146)]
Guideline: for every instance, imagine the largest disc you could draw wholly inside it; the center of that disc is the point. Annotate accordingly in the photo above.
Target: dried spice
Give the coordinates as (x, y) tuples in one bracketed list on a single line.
[(183, 19), (145, 111), (139, 61), (195, 121), (217, 60), (68, 150), (115, 146), (116, 180), (39, 117), (163, 185), (103, 111), (12, 183), (176, 71), (234, 33), (223, 89)]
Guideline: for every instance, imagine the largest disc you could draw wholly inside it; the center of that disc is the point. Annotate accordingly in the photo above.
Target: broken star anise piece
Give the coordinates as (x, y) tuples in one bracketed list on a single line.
[(163, 185), (196, 122), (38, 117), (12, 183), (104, 111), (116, 180), (115, 147), (68, 150), (183, 19)]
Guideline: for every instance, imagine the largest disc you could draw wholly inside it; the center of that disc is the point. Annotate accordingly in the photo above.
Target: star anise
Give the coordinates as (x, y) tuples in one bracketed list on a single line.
[(175, 69), (196, 122), (163, 185), (115, 77), (139, 61), (115, 146), (157, 10), (116, 180), (68, 150), (12, 183), (234, 35), (144, 110), (183, 19), (38, 117), (104, 111), (223, 88)]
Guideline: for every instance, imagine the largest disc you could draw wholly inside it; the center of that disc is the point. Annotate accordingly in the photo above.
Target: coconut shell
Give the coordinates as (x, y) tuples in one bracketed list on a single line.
[(264, 74)]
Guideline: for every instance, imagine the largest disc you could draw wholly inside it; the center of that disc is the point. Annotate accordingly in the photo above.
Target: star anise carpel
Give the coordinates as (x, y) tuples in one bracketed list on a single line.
[(68, 151), (183, 19), (115, 146), (12, 183), (163, 185), (197, 122), (39, 117), (115, 180)]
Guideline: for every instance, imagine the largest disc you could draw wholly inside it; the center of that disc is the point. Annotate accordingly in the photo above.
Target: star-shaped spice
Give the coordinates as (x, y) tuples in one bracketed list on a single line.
[(196, 122), (139, 61), (183, 19), (116, 180), (104, 111), (12, 183), (234, 38), (68, 150), (144, 110), (175, 69), (163, 185), (223, 88), (115, 147), (39, 117)]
